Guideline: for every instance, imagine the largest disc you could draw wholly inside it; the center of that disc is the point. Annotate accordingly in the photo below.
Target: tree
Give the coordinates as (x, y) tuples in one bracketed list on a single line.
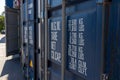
[(3, 13), (2, 26)]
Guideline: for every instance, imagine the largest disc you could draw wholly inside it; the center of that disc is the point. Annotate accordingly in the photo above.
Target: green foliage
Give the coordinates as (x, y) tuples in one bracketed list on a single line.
[(2, 26)]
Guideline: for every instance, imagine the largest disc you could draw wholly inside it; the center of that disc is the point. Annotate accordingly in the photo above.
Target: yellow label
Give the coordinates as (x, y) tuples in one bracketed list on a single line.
[(31, 64)]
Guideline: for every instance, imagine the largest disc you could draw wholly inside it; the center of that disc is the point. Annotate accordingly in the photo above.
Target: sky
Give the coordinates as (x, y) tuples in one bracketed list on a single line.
[(2, 4)]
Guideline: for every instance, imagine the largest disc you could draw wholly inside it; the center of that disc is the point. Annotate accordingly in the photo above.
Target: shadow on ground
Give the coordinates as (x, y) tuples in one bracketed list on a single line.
[(2, 40), (12, 69)]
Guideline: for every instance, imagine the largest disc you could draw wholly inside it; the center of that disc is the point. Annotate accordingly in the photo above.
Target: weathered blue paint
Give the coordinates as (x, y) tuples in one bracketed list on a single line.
[(9, 3), (31, 49), (24, 10), (54, 3), (114, 40), (55, 28), (28, 36), (83, 60), (30, 9), (84, 28)]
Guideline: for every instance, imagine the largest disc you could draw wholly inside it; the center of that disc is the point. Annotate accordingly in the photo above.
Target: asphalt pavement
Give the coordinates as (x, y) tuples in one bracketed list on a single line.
[(9, 66)]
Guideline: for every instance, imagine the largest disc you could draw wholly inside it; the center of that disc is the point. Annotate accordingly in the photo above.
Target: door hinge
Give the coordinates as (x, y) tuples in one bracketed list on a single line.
[(38, 78), (38, 20), (38, 51), (24, 23), (104, 77)]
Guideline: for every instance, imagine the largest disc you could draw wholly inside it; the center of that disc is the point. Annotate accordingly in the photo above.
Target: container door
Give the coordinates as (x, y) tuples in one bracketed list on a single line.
[(31, 37), (83, 41), (12, 31), (24, 36)]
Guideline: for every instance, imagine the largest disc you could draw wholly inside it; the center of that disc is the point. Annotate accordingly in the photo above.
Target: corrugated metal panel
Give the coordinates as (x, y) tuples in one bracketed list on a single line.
[(24, 6), (31, 43), (28, 38), (24, 35), (54, 3), (84, 25), (30, 9), (90, 40), (31, 50), (114, 40)]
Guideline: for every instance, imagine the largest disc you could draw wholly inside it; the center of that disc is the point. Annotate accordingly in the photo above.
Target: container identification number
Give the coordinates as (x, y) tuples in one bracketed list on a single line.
[(76, 44), (55, 29)]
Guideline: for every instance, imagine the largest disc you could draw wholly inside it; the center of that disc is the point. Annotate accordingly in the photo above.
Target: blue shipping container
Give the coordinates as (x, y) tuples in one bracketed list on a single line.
[(9, 3), (84, 42), (24, 11), (114, 42), (28, 37), (30, 9), (92, 32), (31, 49), (54, 3)]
